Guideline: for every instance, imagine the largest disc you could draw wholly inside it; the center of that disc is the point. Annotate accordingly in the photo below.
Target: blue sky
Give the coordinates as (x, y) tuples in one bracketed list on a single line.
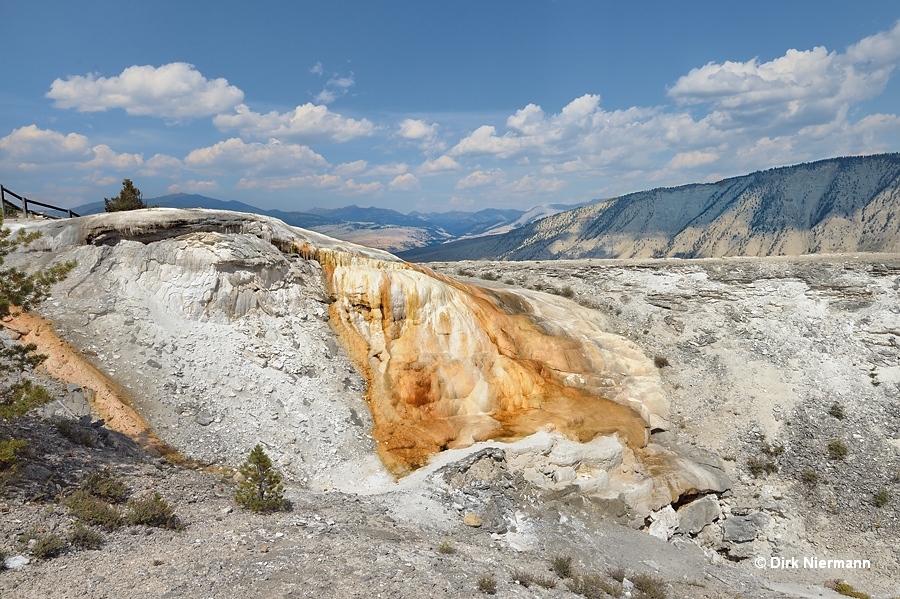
[(434, 106)]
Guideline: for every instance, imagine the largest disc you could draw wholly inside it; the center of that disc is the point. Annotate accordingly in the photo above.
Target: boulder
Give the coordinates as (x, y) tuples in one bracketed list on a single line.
[(664, 523), (742, 529), (697, 514)]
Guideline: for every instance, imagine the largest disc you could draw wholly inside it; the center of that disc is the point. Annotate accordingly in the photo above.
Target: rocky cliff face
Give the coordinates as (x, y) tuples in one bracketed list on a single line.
[(831, 206), (219, 324)]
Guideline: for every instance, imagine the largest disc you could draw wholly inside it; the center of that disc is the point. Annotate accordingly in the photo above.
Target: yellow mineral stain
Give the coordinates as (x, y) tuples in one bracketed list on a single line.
[(449, 364), (110, 401)]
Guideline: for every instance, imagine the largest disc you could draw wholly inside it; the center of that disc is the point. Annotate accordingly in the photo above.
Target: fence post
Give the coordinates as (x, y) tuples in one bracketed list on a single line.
[(2, 203), (25, 207)]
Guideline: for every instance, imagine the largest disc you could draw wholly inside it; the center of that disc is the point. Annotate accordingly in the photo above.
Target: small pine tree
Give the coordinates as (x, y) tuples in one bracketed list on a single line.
[(130, 198), (261, 490)]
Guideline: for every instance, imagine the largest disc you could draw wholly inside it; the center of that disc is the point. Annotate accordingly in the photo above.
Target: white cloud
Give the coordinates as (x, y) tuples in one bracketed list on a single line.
[(30, 148), (350, 168), (106, 158), (161, 165), (234, 156), (337, 86), (480, 179), (316, 69), (405, 182), (33, 145), (801, 88), (172, 91), (692, 159), (416, 130), (425, 135), (329, 182), (326, 96), (193, 187), (342, 82), (438, 165), (529, 184), (308, 121), (388, 170)]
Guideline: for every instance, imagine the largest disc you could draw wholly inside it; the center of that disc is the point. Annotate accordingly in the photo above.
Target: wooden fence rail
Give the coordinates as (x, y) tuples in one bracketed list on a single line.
[(7, 204)]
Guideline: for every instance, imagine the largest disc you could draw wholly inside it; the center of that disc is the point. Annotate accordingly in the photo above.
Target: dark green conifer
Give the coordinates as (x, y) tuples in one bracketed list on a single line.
[(261, 490)]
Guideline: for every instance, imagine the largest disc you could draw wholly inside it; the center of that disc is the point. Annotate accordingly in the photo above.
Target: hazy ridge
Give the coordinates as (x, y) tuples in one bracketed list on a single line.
[(835, 205)]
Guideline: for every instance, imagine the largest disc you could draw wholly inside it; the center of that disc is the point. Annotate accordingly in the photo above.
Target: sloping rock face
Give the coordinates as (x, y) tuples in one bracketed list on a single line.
[(830, 206), (217, 323), (450, 364)]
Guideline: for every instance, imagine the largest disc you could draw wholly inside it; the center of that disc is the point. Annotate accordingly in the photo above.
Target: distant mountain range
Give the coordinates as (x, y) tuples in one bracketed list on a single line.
[(377, 227), (830, 206)]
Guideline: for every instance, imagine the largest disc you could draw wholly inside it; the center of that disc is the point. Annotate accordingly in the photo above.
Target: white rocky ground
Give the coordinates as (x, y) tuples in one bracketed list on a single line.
[(759, 350), (754, 347)]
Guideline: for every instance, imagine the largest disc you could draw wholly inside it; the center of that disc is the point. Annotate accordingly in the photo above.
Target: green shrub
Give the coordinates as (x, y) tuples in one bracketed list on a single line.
[(48, 546), (85, 537), (19, 357), (446, 548), (104, 485), (21, 397), (837, 449), (846, 589), (261, 490), (153, 510), (9, 453), (487, 585), (562, 566), (92, 510), (881, 497)]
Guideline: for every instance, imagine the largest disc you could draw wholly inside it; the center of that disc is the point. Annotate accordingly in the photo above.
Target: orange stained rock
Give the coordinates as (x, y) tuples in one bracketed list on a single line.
[(449, 364), (110, 401)]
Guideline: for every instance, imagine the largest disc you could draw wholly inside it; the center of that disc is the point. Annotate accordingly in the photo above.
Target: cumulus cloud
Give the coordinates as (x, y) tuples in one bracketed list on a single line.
[(308, 121), (161, 165), (423, 134), (416, 130), (105, 158), (236, 156), (692, 159), (802, 87), (407, 182), (31, 147), (172, 91), (480, 179), (438, 165), (350, 168)]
